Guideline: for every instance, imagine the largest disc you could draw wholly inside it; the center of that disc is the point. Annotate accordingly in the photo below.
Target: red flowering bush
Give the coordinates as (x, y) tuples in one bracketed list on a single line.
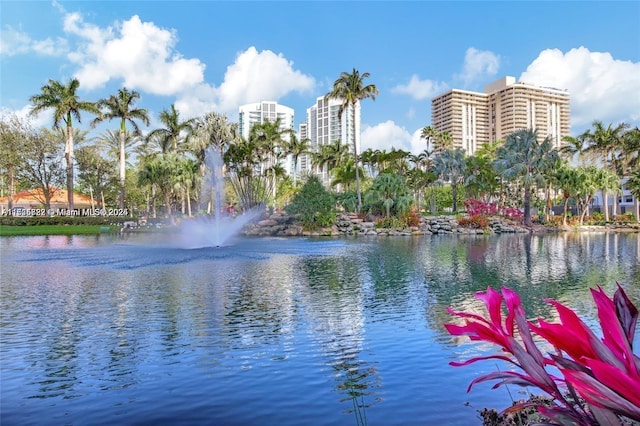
[(512, 213), (600, 380), (475, 222), (480, 208)]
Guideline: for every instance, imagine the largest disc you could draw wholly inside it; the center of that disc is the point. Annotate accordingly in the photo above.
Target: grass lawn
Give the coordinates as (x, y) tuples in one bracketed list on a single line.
[(55, 230)]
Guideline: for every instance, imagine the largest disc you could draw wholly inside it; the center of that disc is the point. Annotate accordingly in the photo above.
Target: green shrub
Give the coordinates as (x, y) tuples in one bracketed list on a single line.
[(391, 222), (314, 205), (597, 216)]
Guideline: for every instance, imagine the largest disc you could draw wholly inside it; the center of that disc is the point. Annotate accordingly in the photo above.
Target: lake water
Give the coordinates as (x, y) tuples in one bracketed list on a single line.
[(132, 330)]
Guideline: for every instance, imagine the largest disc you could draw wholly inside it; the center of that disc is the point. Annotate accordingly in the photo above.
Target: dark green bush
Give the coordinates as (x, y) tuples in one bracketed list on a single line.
[(314, 206), (62, 220)]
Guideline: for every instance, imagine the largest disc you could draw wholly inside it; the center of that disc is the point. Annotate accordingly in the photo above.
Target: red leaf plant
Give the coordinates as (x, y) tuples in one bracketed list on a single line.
[(600, 381)]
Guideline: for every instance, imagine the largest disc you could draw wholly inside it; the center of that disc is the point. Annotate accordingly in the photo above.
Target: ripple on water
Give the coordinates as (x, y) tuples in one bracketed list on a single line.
[(269, 331)]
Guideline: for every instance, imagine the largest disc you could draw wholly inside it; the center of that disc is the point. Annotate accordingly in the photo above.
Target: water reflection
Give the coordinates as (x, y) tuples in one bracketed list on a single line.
[(274, 327)]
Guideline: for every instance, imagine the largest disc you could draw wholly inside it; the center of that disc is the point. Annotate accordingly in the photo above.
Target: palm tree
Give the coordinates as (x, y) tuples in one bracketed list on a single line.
[(66, 106), (525, 159), (270, 138), (567, 180), (633, 184), (607, 142), (213, 131), (350, 90), (330, 155), (391, 191), (450, 166), (121, 106), (297, 147), (429, 134), (575, 148), (344, 173), (110, 143), (444, 141), (173, 129)]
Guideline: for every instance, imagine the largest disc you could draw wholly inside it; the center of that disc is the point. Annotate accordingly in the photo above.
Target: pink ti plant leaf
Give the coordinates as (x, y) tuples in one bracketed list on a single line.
[(605, 372)]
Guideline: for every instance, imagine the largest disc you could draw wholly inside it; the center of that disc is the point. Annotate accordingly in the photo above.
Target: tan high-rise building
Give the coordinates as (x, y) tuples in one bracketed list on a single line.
[(474, 118)]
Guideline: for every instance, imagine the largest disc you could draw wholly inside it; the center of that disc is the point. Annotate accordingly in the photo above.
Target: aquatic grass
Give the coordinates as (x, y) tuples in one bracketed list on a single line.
[(600, 376)]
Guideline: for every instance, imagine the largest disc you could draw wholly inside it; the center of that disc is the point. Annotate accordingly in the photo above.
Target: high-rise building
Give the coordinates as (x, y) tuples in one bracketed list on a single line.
[(474, 118), (323, 127), (261, 112), (267, 111)]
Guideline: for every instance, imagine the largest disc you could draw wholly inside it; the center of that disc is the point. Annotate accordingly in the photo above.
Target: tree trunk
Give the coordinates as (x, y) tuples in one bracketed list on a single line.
[(355, 156), (122, 165), (454, 194), (636, 209), (527, 206), (69, 157), (585, 210), (10, 189), (605, 205), (566, 207)]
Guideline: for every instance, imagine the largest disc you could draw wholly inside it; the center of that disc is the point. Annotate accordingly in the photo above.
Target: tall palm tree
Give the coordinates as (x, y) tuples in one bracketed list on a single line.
[(350, 90), (633, 184), (606, 142), (121, 106), (575, 148), (110, 143), (330, 155), (212, 130), (271, 140), (429, 133), (450, 166), (444, 141), (66, 106), (173, 130), (297, 147), (525, 159)]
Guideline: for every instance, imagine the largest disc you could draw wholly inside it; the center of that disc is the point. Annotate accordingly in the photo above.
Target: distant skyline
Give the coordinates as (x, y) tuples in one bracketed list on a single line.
[(215, 56)]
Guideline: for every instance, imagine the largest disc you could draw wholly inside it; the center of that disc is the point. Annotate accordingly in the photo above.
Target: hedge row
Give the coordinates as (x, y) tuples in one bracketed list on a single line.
[(62, 220)]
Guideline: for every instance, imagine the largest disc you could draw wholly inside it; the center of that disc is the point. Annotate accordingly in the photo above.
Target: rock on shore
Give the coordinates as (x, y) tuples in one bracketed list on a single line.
[(283, 225)]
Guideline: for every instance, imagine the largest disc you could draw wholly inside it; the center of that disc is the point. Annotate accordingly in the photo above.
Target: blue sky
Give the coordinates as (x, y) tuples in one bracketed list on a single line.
[(215, 56)]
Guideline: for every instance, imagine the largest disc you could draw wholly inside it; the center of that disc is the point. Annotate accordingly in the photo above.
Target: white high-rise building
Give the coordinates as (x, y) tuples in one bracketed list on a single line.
[(261, 112), (323, 127), (267, 111)]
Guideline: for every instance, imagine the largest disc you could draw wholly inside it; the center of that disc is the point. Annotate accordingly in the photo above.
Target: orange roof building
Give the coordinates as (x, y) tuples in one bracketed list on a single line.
[(34, 198)]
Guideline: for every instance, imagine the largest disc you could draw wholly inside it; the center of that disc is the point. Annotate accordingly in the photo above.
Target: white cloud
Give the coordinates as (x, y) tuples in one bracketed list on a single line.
[(601, 87), (253, 77), (14, 42), (43, 119), (420, 89), (144, 57), (385, 136), (257, 76), (478, 65), (140, 53)]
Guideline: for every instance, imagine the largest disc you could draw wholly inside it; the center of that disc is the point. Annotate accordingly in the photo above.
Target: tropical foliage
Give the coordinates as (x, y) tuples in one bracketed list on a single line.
[(600, 376), (66, 106), (314, 205), (350, 89)]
